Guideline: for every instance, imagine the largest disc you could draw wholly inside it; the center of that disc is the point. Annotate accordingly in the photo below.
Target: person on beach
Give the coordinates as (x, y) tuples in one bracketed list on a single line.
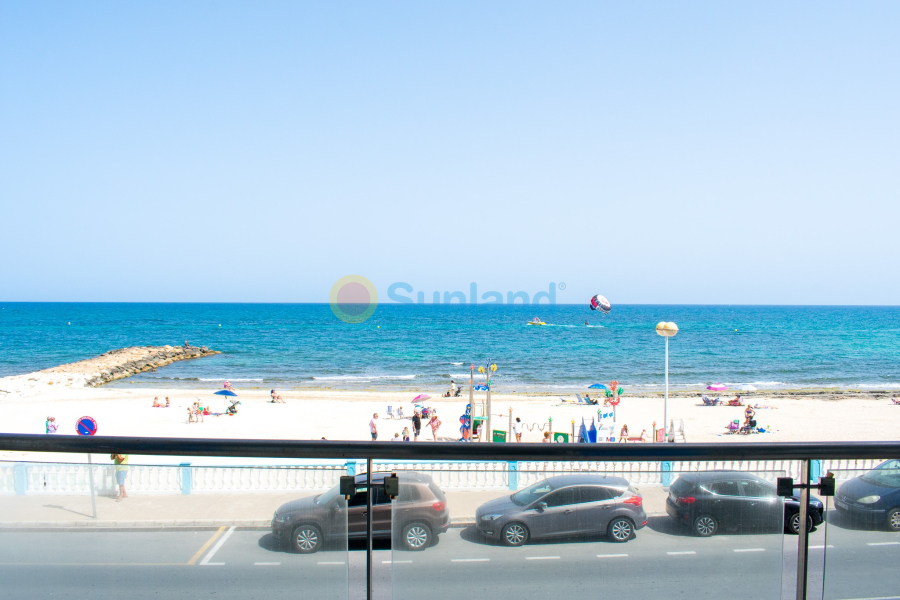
[(121, 461), (190, 410), (50, 425), (168, 402), (435, 424), (373, 429), (396, 438), (749, 413), (623, 434), (228, 386), (517, 429), (276, 397), (452, 392), (399, 412), (417, 425), (198, 411), (157, 403), (406, 434), (547, 435), (186, 344)]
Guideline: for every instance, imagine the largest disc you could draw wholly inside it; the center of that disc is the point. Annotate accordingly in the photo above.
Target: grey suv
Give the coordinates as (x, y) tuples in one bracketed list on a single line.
[(420, 515), (566, 505)]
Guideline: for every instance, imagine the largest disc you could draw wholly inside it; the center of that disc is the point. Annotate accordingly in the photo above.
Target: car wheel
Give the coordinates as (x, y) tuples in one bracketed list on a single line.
[(893, 519), (794, 523), (705, 525), (416, 536), (514, 534), (620, 529), (306, 539)]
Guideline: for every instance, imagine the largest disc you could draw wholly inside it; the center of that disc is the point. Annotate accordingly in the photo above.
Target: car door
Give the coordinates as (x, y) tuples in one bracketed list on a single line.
[(381, 518), (558, 517), (764, 507), (721, 501), (596, 506), (356, 513)]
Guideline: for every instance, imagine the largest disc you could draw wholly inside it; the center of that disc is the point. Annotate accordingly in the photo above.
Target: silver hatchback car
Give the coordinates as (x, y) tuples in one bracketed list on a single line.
[(564, 506)]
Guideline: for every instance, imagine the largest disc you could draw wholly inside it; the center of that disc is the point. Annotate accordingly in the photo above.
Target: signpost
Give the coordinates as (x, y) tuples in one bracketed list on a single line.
[(88, 426)]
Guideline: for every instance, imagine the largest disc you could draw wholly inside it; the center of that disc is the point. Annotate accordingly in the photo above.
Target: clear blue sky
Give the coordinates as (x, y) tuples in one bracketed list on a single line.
[(674, 152)]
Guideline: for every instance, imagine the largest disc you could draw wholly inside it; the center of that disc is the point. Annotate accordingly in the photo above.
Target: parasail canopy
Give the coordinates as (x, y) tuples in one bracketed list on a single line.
[(600, 303)]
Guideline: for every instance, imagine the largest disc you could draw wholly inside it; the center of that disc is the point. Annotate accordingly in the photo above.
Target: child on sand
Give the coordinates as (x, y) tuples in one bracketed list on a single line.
[(51, 424), (156, 403), (547, 439), (435, 424), (406, 434)]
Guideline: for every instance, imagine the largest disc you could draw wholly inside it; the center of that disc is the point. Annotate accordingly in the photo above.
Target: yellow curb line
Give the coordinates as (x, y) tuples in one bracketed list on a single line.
[(206, 546)]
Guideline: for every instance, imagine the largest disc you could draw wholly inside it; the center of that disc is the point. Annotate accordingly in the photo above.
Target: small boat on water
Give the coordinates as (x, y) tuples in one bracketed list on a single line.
[(536, 321)]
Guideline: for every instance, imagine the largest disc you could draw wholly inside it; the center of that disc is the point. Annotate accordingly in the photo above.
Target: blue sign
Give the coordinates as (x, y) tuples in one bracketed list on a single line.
[(86, 426)]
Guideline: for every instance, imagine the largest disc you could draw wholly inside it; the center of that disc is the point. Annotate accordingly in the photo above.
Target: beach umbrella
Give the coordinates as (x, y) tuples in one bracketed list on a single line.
[(596, 386), (421, 397), (748, 388), (225, 393), (717, 387)]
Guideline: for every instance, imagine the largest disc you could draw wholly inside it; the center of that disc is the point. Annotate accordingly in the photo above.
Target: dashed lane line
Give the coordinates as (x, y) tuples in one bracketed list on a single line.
[(470, 560), (878, 598), (749, 549), (396, 562), (331, 562), (266, 564), (204, 547), (821, 547), (541, 558), (205, 562), (681, 553), (882, 543), (611, 555)]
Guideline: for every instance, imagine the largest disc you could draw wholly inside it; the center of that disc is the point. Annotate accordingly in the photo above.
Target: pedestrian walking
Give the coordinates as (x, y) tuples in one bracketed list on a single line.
[(517, 429), (373, 429), (121, 461), (435, 424), (417, 425)]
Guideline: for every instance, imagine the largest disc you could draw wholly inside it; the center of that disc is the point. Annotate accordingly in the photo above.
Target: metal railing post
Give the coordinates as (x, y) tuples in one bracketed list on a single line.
[(803, 534), (369, 529)]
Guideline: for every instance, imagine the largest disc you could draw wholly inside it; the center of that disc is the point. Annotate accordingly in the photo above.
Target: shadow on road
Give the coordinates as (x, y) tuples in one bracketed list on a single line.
[(836, 519), (668, 526), (470, 534)]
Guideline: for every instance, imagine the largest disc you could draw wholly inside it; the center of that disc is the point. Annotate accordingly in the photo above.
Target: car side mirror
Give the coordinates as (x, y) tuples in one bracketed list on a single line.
[(541, 506)]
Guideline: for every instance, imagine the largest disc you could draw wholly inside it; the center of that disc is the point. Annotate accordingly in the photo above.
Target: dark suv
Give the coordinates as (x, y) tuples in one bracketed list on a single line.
[(708, 501), (420, 515)]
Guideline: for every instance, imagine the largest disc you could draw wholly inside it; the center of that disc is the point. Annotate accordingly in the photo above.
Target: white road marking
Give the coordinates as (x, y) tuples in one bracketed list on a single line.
[(820, 547), (212, 552), (878, 598), (883, 544), (541, 558), (749, 549), (335, 562), (470, 560), (266, 564), (685, 552), (396, 562), (611, 555)]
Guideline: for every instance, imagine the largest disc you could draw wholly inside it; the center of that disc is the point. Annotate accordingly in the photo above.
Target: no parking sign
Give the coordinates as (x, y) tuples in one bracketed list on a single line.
[(86, 426)]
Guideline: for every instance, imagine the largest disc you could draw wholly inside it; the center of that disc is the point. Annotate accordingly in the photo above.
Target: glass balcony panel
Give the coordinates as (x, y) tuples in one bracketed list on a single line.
[(183, 531), (862, 547), (524, 530)]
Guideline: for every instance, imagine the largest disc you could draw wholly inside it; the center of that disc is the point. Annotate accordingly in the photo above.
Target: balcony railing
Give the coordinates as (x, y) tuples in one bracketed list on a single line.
[(264, 518)]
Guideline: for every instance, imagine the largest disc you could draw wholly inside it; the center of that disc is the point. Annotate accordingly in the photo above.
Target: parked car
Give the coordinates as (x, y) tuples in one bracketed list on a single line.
[(566, 505), (420, 514), (873, 497), (708, 501)]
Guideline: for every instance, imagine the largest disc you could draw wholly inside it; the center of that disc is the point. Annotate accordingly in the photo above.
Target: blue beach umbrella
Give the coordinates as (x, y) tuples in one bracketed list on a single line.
[(225, 393), (596, 386)]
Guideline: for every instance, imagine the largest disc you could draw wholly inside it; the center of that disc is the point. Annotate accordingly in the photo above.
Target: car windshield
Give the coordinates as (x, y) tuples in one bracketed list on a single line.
[(886, 474), (328, 496), (532, 493)]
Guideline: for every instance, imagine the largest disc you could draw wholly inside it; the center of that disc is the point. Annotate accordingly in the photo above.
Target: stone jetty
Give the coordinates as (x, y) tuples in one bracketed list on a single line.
[(125, 362)]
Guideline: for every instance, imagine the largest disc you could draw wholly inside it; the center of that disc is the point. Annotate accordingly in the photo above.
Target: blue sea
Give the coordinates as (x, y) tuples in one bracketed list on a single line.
[(421, 347)]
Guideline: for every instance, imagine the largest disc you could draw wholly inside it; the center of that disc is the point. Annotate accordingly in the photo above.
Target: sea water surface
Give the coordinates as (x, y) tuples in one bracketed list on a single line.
[(421, 347)]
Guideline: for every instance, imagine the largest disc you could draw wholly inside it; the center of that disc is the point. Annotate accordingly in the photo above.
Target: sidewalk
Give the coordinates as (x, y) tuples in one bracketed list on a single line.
[(209, 510)]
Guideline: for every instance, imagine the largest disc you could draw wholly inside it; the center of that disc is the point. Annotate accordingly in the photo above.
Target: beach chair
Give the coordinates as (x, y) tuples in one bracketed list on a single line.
[(707, 401), (639, 438), (390, 412), (895, 400), (733, 427), (580, 399)]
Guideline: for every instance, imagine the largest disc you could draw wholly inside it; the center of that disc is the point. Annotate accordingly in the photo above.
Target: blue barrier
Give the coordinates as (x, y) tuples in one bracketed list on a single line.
[(186, 478)]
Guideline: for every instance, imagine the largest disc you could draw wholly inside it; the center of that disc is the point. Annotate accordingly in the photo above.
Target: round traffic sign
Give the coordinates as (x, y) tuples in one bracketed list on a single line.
[(86, 426)]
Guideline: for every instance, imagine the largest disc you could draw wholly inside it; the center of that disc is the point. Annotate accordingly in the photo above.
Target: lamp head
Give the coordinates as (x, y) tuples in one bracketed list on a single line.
[(666, 329)]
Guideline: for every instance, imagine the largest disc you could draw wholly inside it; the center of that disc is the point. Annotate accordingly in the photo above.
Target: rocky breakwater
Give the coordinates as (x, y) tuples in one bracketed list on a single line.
[(125, 362)]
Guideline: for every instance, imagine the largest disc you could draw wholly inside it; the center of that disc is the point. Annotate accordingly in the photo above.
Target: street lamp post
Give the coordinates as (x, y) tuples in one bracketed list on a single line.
[(667, 330)]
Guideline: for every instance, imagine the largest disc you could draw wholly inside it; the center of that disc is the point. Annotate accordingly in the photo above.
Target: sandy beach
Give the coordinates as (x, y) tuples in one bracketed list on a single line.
[(344, 415)]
